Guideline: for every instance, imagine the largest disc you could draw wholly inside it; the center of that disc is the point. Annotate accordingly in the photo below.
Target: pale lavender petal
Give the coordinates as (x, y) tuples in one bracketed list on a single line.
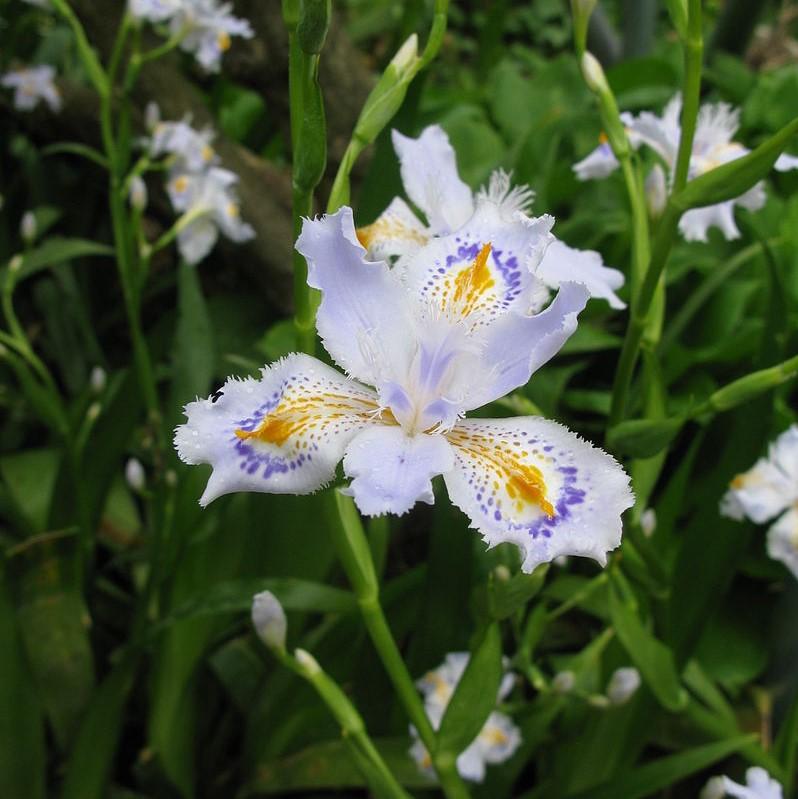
[(695, 223), (282, 434), (783, 540), (562, 263), (392, 471), (598, 164), (534, 483), (785, 162), (516, 346), (429, 174), (364, 318)]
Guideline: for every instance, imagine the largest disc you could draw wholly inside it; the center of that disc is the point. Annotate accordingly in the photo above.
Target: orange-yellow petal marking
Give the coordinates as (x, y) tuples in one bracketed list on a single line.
[(472, 284), (388, 228), (524, 483)]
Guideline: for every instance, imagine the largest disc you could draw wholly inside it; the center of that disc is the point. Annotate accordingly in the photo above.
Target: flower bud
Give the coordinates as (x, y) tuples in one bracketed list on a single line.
[(582, 9), (502, 573), (28, 227), (648, 522), (152, 116), (656, 191), (622, 685), (98, 379), (307, 662), (406, 56), (593, 73), (15, 264), (138, 194), (714, 789), (563, 682), (598, 700), (134, 474), (268, 619), (170, 478), (93, 411)]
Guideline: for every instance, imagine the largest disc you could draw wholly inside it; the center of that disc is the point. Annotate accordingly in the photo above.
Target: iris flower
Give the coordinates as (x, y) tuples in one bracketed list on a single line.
[(758, 785), (449, 333), (191, 149), (431, 181), (32, 85), (209, 204), (769, 490), (496, 742), (713, 145)]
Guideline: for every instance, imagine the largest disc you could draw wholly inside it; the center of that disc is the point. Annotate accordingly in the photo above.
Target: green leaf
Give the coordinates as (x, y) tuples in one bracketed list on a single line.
[(507, 596), (651, 656), (642, 438), (56, 250), (646, 780), (92, 756), (474, 698), (76, 148), (30, 476), (735, 177)]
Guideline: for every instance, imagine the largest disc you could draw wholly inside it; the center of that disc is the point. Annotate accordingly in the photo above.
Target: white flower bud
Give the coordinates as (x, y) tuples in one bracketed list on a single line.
[(714, 789), (407, 55), (598, 700), (268, 619), (622, 685), (28, 227), (134, 474), (94, 410), (594, 74), (502, 573), (98, 380), (563, 682), (656, 191), (15, 264), (648, 522), (561, 561), (138, 193), (152, 116), (308, 663)]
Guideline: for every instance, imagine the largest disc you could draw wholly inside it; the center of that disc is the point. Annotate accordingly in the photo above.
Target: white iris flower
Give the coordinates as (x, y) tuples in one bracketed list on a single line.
[(769, 490), (209, 204), (496, 742), (759, 785), (713, 146), (431, 181), (191, 149), (450, 332), (32, 85)]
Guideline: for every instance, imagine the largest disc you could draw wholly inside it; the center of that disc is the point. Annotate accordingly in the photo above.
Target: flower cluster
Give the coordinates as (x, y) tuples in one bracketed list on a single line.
[(203, 28), (758, 785), (33, 85), (496, 742), (713, 145), (450, 327), (769, 490), (200, 190)]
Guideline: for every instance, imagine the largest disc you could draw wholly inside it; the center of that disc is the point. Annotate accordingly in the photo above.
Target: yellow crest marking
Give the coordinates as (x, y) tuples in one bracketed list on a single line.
[(473, 282)]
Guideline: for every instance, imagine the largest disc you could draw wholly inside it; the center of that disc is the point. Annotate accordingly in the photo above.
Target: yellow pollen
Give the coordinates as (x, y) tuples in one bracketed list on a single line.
[(528, 485), (496, 737), (223, 40), (603, 138), (233, 210), (738, 482), (207, 152), (180, 184)]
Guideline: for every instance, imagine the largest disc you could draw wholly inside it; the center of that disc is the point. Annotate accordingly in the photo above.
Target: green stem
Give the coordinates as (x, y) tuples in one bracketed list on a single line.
[(304, 307)]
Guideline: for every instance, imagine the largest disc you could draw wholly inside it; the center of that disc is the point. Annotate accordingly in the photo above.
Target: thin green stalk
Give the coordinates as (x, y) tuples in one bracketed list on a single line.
[(640, 234), (666, 232)]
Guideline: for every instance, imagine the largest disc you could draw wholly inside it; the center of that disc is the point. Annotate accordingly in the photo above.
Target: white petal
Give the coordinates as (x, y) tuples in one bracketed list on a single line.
[(499, 738), (282, 434), (536, 484), (392, 471), (783, 540), (562, 263), (598, 164), (197, 240), (716, 124), (695, 223), (429, 174), (396, 232), (483, 270), (364, 318), (785, 162), (471, 764), (783, 453), (516, 346)]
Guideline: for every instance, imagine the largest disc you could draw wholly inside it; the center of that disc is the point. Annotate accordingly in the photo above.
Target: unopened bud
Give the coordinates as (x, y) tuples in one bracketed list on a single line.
[(407, 55), (170, 478), (561, 561), (152, 116), (268, 619), (656, 191), (138, 193), (714, 789), (599, 701), (622, 685), (593, 73), (563, 682), (134, 474), (98, 380), (502, 573), (28, 227), (94, 410), (15, 264), (648, 522), (308, 663)]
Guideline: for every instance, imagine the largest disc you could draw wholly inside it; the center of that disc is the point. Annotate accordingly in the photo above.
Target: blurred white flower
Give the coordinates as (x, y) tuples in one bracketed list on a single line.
[(268, 619), (209, 204), (192, 149), (712, 147), (563, 682), (623, 685), (32, 85), (98, 379), (497, 740), (648, 522), (134, 474), (759, 785), (154, 10), (137, 195), (656, 191), (767, 490)]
